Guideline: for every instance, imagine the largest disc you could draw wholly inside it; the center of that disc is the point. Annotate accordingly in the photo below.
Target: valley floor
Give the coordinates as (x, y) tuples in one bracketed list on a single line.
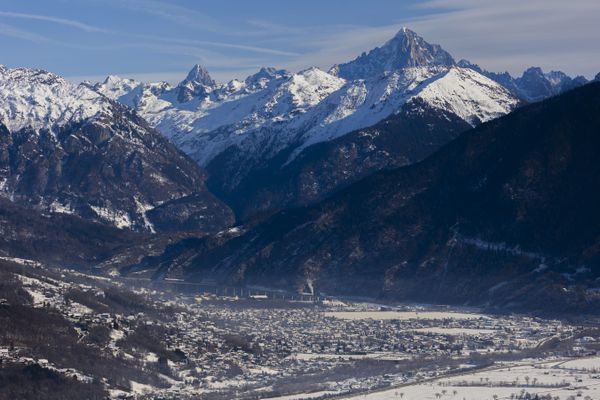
[(135, 340)]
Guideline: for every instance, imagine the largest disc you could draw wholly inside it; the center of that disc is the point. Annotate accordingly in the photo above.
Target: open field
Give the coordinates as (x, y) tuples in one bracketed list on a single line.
[(554, 378)]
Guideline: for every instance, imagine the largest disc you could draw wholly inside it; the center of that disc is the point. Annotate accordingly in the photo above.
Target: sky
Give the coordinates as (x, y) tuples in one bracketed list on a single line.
[(155, 40)]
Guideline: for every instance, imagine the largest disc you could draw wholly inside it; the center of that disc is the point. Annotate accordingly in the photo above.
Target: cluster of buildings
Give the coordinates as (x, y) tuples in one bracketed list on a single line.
[(255, 346)]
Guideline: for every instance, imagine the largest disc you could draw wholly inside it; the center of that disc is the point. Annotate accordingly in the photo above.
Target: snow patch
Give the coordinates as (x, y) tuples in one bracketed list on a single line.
[(118, 218)]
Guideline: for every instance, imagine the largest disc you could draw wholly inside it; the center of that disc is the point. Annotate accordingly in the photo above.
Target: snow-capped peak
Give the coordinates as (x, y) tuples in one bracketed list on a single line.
[(199, 75), (37, 99), (406, 49), (113, 80), (362, 103), (404, 34), (114, 86), (266, 74), (312, 85), (469, 95), (198, 83)]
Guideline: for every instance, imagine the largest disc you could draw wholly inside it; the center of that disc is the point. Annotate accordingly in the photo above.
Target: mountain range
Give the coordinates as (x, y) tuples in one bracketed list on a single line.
[(534, 84), (244, 131), (396, 172), (249, 134)]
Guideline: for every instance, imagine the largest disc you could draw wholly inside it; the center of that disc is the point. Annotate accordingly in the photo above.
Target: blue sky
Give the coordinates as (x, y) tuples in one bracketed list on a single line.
[(162, 39)]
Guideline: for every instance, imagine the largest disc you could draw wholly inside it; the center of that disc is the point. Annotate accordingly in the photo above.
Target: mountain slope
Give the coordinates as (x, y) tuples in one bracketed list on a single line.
[(58, 238), (65, 148), (506, 214), (320, 170), (353, 105)]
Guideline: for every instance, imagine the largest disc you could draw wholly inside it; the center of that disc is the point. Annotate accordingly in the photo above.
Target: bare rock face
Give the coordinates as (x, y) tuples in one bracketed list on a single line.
[(67, 149)]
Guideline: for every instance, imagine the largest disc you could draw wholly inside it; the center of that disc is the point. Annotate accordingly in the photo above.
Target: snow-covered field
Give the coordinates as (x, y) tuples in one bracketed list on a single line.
[(508, 382), (303, 396), (584, 364)]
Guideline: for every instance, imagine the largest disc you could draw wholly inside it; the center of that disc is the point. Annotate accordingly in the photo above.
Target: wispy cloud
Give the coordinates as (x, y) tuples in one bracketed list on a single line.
[(175, 13), (13, 32), (29, 36), (499, 35), (61, 21), (250, 48), (169, 11), (254, 49)]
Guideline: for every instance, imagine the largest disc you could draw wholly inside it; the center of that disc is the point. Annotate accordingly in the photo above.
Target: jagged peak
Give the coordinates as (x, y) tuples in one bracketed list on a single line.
[(406, 49), (580, 79), (112, 78), (410, 40), (533, 71), (464, 63), (197, 83), (269, 71), (404, 34), (115, 79), (555, 77), (311, 71), (199, 75)]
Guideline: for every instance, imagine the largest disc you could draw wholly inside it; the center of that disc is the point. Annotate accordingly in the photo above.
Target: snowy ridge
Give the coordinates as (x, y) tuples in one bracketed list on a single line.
[(218, 118), (468, 94), (115, 87), (37, 99), (268, 112)]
